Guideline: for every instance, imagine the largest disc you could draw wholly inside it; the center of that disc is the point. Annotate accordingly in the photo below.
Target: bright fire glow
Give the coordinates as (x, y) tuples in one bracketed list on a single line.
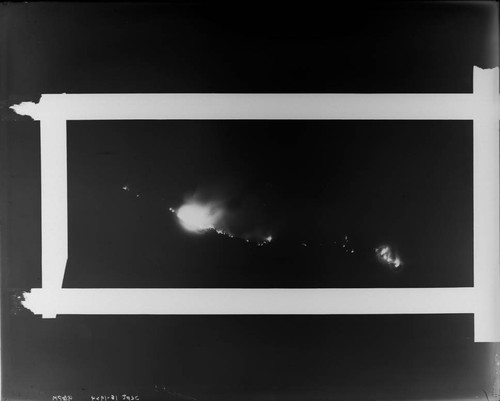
[(198, 218), (201, 218)]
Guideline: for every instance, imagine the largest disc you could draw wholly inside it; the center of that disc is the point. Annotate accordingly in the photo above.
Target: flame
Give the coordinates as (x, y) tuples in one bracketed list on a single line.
[(196, 217), (387, 256)]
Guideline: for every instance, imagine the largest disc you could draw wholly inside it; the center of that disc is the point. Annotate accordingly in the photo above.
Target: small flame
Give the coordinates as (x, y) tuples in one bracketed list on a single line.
[(387, 256)]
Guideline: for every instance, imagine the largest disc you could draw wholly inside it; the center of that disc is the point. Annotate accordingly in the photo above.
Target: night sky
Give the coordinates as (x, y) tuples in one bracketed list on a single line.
[(308, 184)]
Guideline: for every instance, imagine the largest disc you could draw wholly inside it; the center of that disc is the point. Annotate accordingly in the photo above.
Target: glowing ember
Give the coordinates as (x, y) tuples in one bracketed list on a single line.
[(386, 255), (264, 241)]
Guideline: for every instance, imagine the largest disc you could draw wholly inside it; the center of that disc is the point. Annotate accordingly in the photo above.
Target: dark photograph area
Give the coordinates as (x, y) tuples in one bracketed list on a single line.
[(270, 204)]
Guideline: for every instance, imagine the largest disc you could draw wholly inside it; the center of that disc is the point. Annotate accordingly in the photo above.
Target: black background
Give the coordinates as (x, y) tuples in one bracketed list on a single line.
[(406, 184)]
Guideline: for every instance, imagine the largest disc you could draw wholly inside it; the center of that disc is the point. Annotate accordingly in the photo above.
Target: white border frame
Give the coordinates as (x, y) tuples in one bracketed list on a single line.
[(481, 106)]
